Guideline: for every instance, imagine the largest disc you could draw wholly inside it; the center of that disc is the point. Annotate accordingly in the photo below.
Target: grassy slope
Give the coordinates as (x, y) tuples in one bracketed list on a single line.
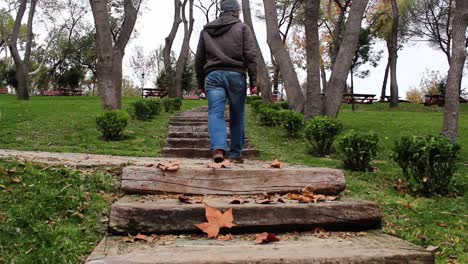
[(53, 215), (66, 124), (437, 221)]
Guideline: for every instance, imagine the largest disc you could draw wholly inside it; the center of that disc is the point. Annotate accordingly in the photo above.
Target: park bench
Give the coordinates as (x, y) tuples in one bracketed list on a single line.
[(439, 100), (70, 92), (4, 91), (153, 92), (52, 93), (358, 98), (388, 98)]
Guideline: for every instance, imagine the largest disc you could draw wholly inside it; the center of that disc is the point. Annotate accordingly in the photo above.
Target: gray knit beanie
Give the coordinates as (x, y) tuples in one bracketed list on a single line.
[(229, 6)]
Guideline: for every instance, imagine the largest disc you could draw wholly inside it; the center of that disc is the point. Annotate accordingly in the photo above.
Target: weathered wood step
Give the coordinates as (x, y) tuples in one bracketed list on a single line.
[(195, 143), (239, 179), (189, 135), (374, 248), (195, 153), (135, 214), (189, 128), (172, 123)]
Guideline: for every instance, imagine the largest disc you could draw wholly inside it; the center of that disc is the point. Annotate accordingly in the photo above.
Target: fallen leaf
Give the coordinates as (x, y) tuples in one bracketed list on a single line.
[(11, 171), (170, 166), (128, 239), (238, 200), (321, 233), (276, 164), (16, 180), (189, 200), (264, 238), (2, 186), (216, 221), (441, 224), (223, 165), (432, 248), (226, 237), (141, 237)]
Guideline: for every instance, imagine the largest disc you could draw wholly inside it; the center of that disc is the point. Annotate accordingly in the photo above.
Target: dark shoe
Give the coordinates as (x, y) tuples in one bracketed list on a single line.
[(238, 160), (218, 156)]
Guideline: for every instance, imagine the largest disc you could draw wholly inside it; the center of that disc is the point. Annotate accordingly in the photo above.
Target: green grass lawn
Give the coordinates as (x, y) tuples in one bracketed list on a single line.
[(51, 215), (423, 221), (67, 124)]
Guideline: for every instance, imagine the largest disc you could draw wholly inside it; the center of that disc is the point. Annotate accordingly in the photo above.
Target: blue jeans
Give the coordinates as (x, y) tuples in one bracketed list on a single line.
[(219, 86)]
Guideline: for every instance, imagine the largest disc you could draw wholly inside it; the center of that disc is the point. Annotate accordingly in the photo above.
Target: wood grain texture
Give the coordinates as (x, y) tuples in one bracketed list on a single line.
[(195, 153), (236, 180), (136, 215)]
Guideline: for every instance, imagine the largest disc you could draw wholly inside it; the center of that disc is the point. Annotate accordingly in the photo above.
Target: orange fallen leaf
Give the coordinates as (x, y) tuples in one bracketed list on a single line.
[(141, 237), (264, 238), (216, 221), (276, 164), (128, 239), (170, 166)]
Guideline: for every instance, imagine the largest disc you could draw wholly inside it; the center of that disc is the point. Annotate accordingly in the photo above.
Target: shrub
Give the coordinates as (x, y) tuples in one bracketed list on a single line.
[(251, 99), (358, 149), (155, 106), (320, 133), (112, 124), (256, 105), (176, 104), (284, 105), (268, 117), (141, 110), (168, 106), (428, 163), (292, 121), (273, 106)]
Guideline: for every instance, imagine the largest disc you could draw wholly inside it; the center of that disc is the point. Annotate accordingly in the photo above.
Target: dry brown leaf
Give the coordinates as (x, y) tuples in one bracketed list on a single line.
[(321, 233), (264, 238), (276, 164), (11, 171), (190, 200), (226, 237), (432, 248), (141, 237), (128, 239), (223, 165), (216, 221), (170, 166)]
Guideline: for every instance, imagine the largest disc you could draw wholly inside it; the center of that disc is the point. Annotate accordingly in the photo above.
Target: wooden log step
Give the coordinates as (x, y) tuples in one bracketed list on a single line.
[(201, 124), (135, 214), (189, 128), (189, 135), (239, 179), (375, 248), (202, 153), (195, 143)]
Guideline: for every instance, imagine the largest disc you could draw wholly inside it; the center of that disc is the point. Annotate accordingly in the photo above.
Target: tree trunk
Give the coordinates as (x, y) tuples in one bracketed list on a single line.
[(393, 51), (313, 102), (168, 48), (452, 92), (176, 92), (291, 82), (110, 56), (263, 79), (383, 94), (323, 76), (22, 65), (345, 56)]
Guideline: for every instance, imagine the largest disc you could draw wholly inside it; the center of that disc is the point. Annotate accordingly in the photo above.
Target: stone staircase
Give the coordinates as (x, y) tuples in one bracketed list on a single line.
[(188, 136), (152, 206)]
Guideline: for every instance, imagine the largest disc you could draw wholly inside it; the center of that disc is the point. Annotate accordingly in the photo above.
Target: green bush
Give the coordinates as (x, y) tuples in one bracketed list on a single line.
[(168, 105), (112, 124), (256, 105), (251, 99), (320, 133), (284, 105), (176, 104), (358, 149), (142, 110), (155, 106), (428, 163), (275, 106), (269, 117), (292, 121)]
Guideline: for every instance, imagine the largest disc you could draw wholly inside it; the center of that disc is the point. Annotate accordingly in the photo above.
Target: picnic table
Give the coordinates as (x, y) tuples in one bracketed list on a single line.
[(358, 98), (4, 91), (388, 98), (439, 100), (153, 92), (52, 93)]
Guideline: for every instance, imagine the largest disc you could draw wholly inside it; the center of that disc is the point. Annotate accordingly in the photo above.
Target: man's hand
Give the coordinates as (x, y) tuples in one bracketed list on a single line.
[(253, 90)]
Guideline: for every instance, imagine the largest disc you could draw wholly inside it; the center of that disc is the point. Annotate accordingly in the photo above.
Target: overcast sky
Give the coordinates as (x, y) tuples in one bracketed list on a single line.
[(156, 20)]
